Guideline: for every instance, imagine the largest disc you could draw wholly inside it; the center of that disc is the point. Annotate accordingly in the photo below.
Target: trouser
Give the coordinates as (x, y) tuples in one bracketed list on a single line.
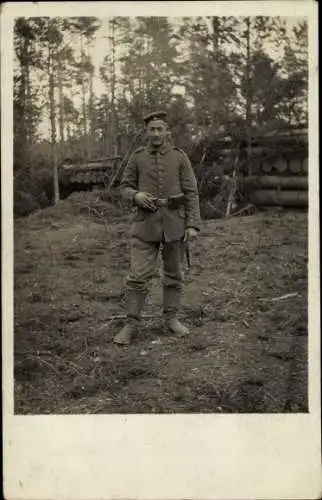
[(144, 259)]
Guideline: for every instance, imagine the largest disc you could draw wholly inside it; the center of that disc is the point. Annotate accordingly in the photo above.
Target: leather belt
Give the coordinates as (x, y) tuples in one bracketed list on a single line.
[(172, 202), (161, 202)]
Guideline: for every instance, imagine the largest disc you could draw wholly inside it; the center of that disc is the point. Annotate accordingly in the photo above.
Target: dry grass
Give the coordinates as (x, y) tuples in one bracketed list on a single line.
[(245, 301)]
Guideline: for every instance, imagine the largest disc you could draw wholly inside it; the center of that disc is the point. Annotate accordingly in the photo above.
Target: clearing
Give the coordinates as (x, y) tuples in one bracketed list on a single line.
[(245, 300)]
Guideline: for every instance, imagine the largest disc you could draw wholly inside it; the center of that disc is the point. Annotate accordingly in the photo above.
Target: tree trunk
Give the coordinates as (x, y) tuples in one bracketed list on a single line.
[(91, 134), (215, 22), (68, 131), (28, 118), (113, 87), (21, 118), (61, 104), (106, 131), (248, 94), (147, 79), (53, 121), (84, 96)]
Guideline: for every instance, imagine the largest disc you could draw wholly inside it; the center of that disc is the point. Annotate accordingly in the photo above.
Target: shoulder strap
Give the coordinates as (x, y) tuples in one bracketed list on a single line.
[(184, 154)]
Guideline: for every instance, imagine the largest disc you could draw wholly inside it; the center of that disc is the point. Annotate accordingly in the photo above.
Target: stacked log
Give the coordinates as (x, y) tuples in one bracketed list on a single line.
[(276, 190), (277, 182), (270, 197), (284, 166), (267, 166), (295, 165), (91, 172), (271, 171), (281, 165)]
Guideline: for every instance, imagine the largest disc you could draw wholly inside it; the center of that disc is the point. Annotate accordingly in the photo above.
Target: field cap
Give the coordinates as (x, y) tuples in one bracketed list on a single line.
[(156, 115)]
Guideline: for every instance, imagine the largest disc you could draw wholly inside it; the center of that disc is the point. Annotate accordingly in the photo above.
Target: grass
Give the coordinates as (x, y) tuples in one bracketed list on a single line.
[(245, 301)]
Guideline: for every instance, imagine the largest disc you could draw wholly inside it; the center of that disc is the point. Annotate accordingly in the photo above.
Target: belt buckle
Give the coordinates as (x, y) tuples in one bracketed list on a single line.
[(162, 202)]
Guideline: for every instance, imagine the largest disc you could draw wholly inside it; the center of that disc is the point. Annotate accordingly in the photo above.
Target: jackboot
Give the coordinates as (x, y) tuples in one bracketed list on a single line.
[(171, 305), (130, 329)]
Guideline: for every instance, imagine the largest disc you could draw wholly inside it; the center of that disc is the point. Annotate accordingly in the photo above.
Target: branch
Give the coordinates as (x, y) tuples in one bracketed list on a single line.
[(283, 297)]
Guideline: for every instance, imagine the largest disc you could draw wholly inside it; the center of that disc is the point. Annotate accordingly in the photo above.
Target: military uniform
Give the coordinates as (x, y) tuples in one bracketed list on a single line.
[(166, 173)]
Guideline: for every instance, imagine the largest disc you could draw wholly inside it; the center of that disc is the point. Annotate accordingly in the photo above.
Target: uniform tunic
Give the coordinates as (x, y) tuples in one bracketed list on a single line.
[(162, 172)]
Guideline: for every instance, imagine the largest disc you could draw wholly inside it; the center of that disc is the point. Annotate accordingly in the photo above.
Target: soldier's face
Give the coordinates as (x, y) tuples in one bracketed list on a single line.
[(157, 132)]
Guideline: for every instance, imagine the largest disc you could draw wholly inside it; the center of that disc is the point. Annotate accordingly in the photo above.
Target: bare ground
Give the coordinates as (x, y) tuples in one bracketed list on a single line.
[(245, 300)]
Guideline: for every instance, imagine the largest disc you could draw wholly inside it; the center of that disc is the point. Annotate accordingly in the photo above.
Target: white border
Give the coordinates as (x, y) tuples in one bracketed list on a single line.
[(149, 456)]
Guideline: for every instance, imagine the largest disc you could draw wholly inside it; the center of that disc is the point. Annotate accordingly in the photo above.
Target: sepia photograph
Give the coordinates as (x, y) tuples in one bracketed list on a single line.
[(160, 215), (160, 250)]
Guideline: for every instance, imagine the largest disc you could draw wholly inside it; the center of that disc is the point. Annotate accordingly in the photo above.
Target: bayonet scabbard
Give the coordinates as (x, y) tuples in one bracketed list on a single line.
[(188, 254)]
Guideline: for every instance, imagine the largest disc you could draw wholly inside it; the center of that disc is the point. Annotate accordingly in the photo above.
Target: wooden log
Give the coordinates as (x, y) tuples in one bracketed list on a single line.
[(305, 165), (267, 166), (87, 167), (273, 197), (280, 165), (295, 165), (79, 177), (255, 167), (298, 182), (100, 178)]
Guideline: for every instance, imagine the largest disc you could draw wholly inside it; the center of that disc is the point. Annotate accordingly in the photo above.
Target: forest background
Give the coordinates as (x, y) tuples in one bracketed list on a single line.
[(82, 85)]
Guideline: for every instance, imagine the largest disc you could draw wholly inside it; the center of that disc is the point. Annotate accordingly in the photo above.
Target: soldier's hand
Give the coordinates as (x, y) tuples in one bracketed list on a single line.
[(145, 200), (190, 234)]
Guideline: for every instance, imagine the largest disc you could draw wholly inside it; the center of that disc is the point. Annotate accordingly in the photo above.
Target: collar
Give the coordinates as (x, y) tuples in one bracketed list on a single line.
[(162, 149)]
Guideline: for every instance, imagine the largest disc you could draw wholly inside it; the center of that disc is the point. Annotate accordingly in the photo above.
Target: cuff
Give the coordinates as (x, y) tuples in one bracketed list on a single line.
[(133, 198)]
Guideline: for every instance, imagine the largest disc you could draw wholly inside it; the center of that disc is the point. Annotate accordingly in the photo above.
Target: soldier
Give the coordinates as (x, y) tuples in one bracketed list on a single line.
[(160, 182)]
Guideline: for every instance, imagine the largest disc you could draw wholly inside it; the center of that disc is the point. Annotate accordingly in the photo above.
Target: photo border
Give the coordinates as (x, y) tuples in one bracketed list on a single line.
[(160, 456)]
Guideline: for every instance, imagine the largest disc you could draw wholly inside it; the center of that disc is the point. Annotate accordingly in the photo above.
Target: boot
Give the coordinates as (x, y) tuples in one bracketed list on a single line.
[(135, 306), (171, 304), (128, 331)]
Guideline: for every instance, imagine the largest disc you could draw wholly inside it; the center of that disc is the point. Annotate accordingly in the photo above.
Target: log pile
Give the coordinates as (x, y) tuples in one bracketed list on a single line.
[(270, 170), (274, 197), (89, 172), (276, 182), (284, 167), (277, 190)]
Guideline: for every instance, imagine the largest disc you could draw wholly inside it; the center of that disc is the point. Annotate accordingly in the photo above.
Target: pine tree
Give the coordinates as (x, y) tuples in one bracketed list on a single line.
[(26, 108), (85, 28), (294, 101)]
